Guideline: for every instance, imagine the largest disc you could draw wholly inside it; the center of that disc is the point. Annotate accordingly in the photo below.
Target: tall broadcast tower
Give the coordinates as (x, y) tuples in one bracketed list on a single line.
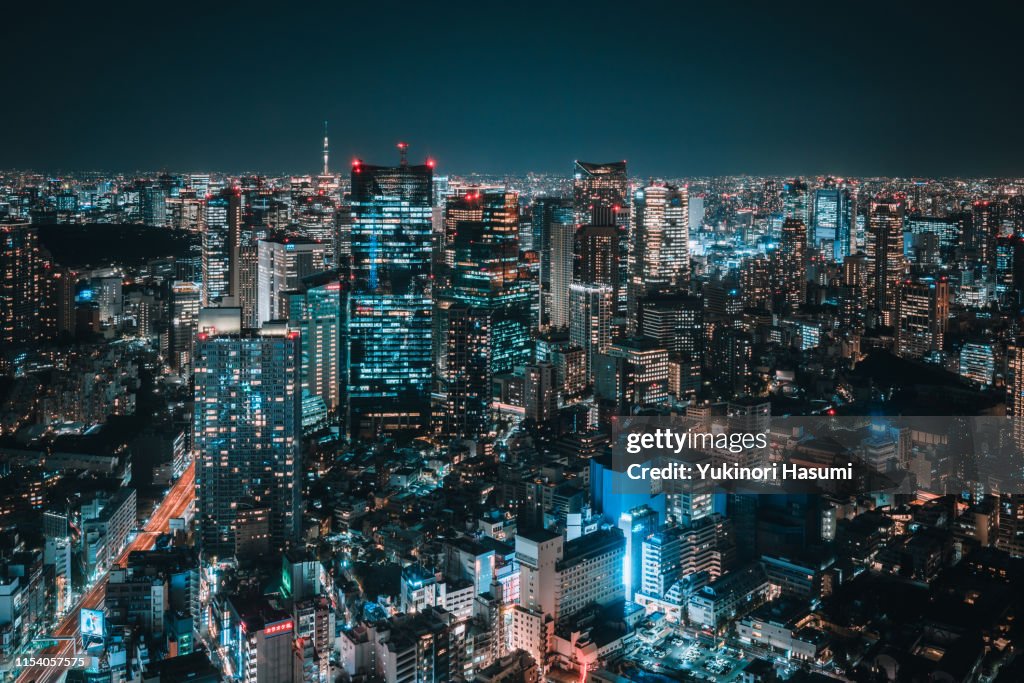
[(326, 152)]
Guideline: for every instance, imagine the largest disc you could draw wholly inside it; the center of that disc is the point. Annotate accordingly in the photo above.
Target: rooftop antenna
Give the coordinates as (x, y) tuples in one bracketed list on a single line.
[(326, 153), (403, 153)]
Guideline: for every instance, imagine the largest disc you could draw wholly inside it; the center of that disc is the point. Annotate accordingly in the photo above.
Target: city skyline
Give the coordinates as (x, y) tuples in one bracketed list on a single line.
[(512, 343), (322, 428)]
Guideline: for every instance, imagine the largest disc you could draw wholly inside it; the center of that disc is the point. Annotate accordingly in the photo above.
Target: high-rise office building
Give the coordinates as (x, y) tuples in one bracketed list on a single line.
[(496, 208), (696, 211), (563, 246), (153, 202), (597, 256), (945, 228), (833, 218), (1011, 524), (389, 375), (282, 263), (491, 296), (885, 254), (555, 225), (796, 203), (317, 217), (771, 198), (601, 200), (314, 308), (247, 423), (922, 316), (675, 552), (254, 229), (568, 359), (221, 226), (590, 317), (600, 193), (660, 259), (591, 572)]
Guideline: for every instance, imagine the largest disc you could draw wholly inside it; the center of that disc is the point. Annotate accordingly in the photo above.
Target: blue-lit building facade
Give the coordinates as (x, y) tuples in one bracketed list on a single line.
[(315, 310), (247, 437), (833, 216), (389, 310)]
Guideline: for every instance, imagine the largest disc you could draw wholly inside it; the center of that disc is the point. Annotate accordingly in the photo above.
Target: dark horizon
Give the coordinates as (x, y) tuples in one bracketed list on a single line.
[(901, 90)]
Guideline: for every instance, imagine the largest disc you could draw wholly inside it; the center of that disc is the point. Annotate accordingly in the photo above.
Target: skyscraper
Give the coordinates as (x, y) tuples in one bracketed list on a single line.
[(486, 278), (57, 310), (563, 242), (254, 229), (790, 266), (20, 284), (597, 256), (247, 423), (590, 313), (660, 259), (389, 311), (730, 359), (314, 308), (185, 302), (796, 201), (600, 200), (632, 372), (885, 254), (497, 209), (600, 192), (853, 295), (833, 216), (554, 223), (771, 198), (922, 316), (466, 375), (220, 249), (282, 263)]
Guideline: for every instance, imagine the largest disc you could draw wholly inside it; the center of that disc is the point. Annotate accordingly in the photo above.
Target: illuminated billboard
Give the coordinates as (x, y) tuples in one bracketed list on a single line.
[(91, 623)]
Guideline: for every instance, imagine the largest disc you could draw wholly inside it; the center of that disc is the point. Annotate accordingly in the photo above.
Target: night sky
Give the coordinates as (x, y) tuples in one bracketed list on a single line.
[(675, 88)]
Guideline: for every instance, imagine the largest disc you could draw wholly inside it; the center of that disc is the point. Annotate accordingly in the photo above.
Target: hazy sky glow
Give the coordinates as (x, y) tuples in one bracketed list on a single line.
[(676, 88)]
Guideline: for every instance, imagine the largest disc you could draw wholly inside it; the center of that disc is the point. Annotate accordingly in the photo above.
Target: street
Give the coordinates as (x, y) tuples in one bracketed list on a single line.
[(180, 496)]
